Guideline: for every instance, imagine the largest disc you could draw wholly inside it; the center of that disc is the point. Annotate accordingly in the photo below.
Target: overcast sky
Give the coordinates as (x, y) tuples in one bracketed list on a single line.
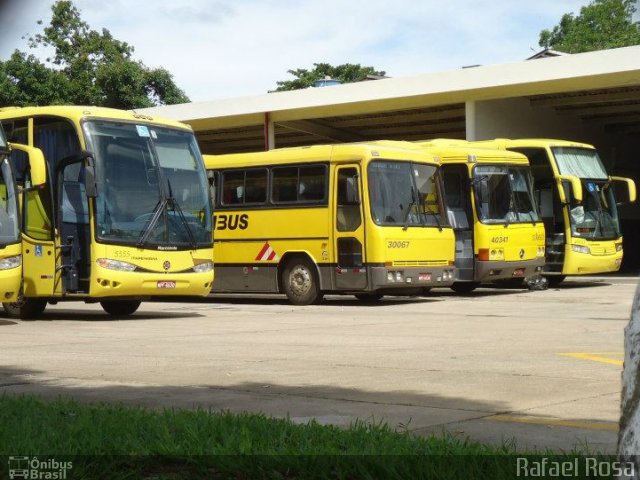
[(229, 48)]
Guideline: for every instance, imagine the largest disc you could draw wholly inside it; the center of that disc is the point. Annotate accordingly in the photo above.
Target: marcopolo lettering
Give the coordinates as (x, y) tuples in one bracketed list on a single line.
[(231, 222)]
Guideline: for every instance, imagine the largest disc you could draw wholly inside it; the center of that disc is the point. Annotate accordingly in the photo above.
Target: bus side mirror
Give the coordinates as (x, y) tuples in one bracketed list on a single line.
[(351, 192), (572, 182), (211, 178), (90, 186), (631, 187), (37, 166)]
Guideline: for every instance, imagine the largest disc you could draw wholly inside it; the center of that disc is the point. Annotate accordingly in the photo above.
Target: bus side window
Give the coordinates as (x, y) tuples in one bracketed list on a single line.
[(348, 216)]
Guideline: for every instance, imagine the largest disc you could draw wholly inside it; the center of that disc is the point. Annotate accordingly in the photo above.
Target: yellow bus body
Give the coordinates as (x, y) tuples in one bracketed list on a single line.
[(158, 271), (567, 254), (501, 251), (10, 278), (254, 244), (10, 246)]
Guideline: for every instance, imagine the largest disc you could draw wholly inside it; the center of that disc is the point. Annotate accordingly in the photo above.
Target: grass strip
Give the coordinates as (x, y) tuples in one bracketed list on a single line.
[(119, 441)]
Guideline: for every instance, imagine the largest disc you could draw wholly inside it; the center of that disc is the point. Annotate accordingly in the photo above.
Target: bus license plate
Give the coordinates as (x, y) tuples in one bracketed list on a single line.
[(518, 272), (166, 284), (424, 277)]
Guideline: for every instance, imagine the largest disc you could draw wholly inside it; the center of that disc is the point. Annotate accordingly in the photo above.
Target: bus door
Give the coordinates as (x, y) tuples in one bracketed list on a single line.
[(457, 190), (545, 190), (350, 272), (73, 226), (38, 249)]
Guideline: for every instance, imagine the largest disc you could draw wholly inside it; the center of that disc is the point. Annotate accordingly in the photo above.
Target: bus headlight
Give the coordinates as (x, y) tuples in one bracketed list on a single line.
[(203, 267), (540, 252), (496, 254), (581, 249), (10, 262), (619, 247), (118, 265)]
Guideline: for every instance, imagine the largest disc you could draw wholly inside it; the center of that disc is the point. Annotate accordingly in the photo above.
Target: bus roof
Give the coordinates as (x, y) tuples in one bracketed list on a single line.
[(77, 113), (462, 151), (343, 152), (531, 143)]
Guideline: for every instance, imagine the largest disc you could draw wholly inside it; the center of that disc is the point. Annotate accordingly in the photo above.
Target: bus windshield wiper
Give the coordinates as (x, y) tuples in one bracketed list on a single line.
[(412, 204), (427, 210), (176, 208), (157, 213)]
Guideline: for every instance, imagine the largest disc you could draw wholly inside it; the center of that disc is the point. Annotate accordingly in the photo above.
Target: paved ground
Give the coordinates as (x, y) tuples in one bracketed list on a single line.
[(540, 367)]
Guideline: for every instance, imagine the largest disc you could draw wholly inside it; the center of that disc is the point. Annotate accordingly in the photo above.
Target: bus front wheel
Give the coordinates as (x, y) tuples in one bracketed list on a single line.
[(464, 287), (555, 280), (120, 307), (369, 297), (25, 308), (300, 282)]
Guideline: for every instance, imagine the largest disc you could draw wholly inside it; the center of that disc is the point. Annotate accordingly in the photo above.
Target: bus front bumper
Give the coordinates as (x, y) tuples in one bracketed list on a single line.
[(10, 284), (392, 278), (112, 283), (488, 271), (584, 264)]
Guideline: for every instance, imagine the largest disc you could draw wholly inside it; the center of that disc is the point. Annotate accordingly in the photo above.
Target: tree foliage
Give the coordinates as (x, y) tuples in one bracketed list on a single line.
[(346, 73), (601, 25), (87, 68)]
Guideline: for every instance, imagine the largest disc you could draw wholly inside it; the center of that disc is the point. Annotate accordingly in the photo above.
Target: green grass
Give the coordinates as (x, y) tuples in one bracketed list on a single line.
[(117, 441)]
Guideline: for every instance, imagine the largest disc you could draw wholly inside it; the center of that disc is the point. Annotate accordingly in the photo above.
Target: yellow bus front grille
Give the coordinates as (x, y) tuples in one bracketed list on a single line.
[(420, 263), (602, 250)]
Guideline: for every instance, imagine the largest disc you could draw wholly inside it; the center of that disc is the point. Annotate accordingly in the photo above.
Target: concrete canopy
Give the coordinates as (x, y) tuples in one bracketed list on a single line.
[(599, 88)]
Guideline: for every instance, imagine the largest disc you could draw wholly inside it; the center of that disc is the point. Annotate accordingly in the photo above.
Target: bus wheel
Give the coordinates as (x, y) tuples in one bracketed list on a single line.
[(464, 287), (120, 307), (300, 283), (369, 297), (555, 280), (25, 308)]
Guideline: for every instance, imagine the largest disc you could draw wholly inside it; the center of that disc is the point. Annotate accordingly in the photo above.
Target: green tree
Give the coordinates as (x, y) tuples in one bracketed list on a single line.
[(346, 73), (88, 68), (601, 25)]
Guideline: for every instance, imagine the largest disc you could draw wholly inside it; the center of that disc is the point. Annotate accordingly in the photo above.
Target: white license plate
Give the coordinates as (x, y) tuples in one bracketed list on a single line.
[(165, 284), (424, 277), (518, 272)]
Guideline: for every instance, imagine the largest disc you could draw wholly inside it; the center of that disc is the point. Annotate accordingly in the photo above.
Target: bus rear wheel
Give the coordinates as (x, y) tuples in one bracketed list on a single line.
[(120, 307), (464, 287), (300, 282), (25, 308)]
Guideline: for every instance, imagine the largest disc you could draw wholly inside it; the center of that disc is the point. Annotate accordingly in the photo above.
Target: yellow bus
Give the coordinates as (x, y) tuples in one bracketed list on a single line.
[(125, 212), (361, 219), (10, 245), (490, 202), (577, 201)]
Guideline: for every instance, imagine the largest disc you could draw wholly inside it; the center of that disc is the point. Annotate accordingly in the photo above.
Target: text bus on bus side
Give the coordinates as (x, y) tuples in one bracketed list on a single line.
[(362, 219)]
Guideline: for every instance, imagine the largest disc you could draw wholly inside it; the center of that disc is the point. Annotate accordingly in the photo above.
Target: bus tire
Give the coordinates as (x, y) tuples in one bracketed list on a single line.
[(300, 282), (25, 308), (369, 297), (555, 280), (120, 308), (464, 287)]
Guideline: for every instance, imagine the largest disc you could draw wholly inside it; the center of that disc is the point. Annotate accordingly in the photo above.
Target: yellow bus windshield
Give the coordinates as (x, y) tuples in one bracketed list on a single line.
[(9, 222), (405, 194), (504, 194), (152, 186)]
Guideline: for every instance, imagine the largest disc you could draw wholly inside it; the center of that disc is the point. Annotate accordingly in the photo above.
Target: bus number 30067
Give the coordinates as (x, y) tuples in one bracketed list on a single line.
[(397, 244)]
